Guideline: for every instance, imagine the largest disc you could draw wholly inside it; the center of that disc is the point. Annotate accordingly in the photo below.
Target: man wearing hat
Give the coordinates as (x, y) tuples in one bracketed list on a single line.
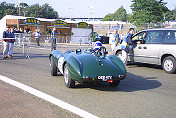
[(6, 42)]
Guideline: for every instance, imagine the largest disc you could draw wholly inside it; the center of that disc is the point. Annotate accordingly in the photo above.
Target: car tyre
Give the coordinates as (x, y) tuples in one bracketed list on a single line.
[(169, 64), (115, 83), (53, 67), (119, 55), (67, 79)]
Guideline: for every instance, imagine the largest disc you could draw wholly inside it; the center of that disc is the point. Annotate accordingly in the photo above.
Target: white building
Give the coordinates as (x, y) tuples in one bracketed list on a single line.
[(172, 22)]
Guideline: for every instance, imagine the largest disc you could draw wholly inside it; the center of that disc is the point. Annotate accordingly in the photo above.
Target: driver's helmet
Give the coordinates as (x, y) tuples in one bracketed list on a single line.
[(98, 44)]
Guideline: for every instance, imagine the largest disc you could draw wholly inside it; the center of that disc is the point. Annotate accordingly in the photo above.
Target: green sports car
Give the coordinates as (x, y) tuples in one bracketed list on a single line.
[(84, 66)]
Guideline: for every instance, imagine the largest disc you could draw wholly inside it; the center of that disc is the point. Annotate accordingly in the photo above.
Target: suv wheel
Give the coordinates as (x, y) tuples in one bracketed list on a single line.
[(169, 64)]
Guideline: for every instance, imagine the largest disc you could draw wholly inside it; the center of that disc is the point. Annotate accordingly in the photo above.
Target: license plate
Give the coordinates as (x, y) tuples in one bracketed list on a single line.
[(104, 78)]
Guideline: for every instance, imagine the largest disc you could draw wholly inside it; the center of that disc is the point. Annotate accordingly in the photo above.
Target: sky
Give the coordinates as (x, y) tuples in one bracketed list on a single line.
[(82, 8)]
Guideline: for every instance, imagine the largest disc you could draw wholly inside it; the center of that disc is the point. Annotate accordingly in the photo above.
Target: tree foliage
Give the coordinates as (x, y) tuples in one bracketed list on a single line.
[(7, 9), (48, 12), (174, 14), (119, 15), (44, 11), (149, 11), (35, 10), (108, 17)]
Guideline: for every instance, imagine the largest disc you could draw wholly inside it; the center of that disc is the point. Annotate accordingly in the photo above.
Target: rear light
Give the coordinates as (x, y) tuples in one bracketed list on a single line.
[(86, 77), (110, 81), (121, 76)]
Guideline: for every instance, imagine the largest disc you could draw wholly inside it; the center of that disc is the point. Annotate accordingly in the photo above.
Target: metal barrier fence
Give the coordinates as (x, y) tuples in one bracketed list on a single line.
[(25, 41), (43, 38)]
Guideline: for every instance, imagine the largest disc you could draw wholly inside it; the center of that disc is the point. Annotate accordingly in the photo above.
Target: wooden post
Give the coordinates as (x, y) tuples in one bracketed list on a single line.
[(18, 25)]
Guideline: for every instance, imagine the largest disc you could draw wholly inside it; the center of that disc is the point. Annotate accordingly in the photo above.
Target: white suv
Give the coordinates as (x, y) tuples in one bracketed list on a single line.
[(157, 46)]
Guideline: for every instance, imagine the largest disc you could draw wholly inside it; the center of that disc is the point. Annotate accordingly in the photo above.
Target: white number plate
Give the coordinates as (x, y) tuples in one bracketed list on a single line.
[(104, 78)]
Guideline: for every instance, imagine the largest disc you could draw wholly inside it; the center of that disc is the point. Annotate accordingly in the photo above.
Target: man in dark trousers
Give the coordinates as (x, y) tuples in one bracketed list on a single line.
[(11, 43), (127, 45), (6, 42), (53, 39), (37, 37)]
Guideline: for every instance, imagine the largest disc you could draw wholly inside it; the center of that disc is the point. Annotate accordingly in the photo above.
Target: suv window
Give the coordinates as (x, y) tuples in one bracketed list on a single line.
[(170, 37), (154, 37)]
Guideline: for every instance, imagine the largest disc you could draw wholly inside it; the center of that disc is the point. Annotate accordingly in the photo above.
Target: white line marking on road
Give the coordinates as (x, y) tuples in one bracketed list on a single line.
[(48, 98)]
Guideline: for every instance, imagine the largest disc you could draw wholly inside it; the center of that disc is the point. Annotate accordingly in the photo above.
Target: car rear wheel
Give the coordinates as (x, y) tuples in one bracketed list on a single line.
[(67, 79), (169, 64), (115, 83), (53, 67)]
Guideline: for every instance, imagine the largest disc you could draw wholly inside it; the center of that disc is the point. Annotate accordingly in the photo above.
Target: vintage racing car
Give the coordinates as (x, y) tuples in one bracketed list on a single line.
[(83, 66)]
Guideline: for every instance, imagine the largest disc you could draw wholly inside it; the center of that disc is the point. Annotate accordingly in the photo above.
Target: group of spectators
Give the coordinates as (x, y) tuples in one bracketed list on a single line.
[(9, 39), (126, 43), (53, 38), (8, 42)]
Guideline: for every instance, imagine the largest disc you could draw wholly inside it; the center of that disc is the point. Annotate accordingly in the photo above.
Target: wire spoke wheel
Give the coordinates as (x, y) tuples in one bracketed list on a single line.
[(67, 79), (66, 75), (53, 68)]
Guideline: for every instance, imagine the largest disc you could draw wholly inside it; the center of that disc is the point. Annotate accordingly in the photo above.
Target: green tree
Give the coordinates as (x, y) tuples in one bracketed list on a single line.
[(148, 11), (174, 14), (48, 12), (129, 17), (7, 9), (119, 15), (44, 11), (23, 7), (108, 17), (168, 15), (34, 11)]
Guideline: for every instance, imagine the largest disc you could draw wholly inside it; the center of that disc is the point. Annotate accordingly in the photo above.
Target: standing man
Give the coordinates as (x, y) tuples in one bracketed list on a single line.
[(127, 45), (37, 37), (53, 39), (115, 39), (6, 42), (11, 43)]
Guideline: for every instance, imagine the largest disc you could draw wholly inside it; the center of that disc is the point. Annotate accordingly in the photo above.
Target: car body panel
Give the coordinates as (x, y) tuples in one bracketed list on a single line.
[(155, 46), (82, 64)]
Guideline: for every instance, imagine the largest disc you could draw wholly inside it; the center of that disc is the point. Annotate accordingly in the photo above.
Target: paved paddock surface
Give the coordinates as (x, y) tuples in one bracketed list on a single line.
[(147, 90)]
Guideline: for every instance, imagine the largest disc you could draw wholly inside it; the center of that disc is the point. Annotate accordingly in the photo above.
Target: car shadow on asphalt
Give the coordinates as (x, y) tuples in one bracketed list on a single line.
[(130, 84), (136, 64)]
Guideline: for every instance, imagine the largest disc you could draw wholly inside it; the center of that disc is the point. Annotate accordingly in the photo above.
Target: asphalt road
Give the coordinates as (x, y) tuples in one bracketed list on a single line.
[(147, 91)]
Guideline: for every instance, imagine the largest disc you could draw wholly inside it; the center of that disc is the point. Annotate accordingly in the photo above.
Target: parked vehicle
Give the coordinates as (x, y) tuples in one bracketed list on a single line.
[(97, 37), (104, 39), (154, 46), (84, 66)]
